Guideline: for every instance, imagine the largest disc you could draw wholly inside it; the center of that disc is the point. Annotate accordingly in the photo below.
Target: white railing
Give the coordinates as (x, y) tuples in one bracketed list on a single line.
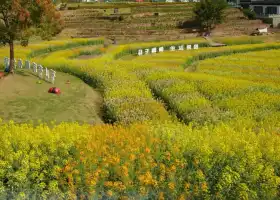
[(43, 73)]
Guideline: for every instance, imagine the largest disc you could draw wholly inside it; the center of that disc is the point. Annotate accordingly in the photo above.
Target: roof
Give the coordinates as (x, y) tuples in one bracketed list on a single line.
[(269, 2)]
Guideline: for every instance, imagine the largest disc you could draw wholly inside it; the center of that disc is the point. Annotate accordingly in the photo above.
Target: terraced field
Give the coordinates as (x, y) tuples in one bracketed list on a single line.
[(147, 22), (192, 124)]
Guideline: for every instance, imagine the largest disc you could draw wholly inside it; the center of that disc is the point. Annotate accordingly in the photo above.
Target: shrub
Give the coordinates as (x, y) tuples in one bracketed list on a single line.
[(77, 43), (121, 18), (249, 13)]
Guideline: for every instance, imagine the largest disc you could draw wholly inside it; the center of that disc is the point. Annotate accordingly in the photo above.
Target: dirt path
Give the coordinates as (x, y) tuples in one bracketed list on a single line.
[(212, 43)]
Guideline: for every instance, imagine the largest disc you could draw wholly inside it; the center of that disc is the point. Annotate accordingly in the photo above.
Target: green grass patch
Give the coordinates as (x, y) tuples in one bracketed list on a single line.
[(22, 99)]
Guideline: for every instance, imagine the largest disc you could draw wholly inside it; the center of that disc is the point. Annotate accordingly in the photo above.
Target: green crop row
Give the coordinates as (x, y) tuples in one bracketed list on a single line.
[(261, 66), (126, 98), (229, 51), (235, 156), (87, 53), (53, 48), (240, 40), (183, 97), (198, 99), (133, 51), (203, 98)]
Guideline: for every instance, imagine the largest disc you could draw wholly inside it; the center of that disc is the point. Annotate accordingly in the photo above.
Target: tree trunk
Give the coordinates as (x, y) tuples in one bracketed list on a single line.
[(12, 57)]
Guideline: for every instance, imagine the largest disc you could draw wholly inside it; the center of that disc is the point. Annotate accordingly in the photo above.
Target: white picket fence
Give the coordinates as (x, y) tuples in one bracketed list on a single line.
[(43, 73), (162, 49)]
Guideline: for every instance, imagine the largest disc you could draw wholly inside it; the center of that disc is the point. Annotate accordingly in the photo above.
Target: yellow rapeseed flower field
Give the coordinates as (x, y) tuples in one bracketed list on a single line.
[(199, 124)]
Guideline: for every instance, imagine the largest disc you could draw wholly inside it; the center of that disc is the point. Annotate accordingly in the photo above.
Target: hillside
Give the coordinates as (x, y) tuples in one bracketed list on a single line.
[(146, 23)]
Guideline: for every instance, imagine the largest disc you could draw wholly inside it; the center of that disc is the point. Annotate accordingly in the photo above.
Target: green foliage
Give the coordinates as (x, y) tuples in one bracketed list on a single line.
[(134, 51), (249, 13), (20, 19), (229, 150), (209, 12), (88, 53), (208, 55), (132, 102), (54, 48), (229, 41)]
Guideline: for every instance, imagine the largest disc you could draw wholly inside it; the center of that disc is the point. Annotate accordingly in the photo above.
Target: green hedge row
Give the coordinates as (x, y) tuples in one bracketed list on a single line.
[(126, 99), (54, 48), (134, 52), (206, 55), (87, 53), (196, 97)]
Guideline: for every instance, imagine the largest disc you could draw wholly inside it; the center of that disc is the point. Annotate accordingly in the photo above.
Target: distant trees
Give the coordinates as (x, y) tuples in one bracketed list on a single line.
[(208, 13), (20, 19)]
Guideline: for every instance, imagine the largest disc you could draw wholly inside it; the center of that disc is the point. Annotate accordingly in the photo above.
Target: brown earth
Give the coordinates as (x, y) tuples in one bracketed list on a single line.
[(143, 25)]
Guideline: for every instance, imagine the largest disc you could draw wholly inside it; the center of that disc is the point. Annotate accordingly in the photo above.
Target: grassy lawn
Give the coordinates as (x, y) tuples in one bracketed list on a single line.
[(22, 100)]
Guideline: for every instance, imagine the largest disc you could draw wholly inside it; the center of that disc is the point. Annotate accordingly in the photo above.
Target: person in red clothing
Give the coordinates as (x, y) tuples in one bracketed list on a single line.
[(54, 90)]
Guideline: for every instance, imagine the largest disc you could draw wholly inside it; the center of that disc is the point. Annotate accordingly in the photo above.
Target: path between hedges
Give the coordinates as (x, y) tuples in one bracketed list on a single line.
[(212, 43)]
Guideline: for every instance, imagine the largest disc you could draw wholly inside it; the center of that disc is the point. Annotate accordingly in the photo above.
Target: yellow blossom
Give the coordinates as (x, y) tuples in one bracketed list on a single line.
[(142, 191), (122, 187), (171, 186), (109, 193), (173, 168), (108, 184), (155, 183), (182, 197), (187, 186), (93, 183), (116, 184), (161, 196), (147, 150), (132, 157), (124, 198), (161, 178), (204, 187), (162, 166)]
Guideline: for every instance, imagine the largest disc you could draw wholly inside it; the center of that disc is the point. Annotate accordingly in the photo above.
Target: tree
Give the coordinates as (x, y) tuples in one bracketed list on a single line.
[(20, 19), (250, 14), (208, 13)]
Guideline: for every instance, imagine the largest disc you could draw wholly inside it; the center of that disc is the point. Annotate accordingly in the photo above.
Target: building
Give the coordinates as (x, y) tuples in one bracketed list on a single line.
[(239, 3), (261, 7), (245, 3), (268, 7), (268, 10), (234, 3)]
